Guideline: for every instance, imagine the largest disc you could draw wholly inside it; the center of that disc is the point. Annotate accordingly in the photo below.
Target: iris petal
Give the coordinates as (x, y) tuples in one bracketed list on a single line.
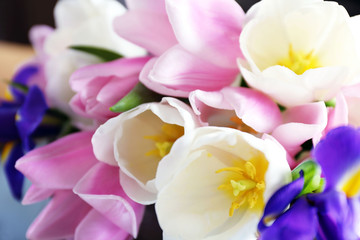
[(280, 200), (14, 177), (339, 155)]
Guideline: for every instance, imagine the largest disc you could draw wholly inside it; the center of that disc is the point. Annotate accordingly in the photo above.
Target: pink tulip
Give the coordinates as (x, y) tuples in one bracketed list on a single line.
[(54, 170), (100, 86), (203, 54)]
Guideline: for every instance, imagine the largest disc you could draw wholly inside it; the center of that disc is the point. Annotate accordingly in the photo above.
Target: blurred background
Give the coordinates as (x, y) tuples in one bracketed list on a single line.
[(16, 18)]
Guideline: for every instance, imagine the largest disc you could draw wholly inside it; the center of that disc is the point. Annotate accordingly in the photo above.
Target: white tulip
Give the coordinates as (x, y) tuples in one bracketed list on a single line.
[(220, 185), (139, 139), (299, 51)]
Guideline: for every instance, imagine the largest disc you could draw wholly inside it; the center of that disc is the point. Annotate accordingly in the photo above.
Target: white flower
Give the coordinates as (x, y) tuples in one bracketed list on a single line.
[(221, 183), (298, 51), (139, 139), (80, 22)]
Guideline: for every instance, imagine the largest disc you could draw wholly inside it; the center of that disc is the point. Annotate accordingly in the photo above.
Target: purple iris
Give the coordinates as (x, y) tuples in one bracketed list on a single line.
[(331, 214), (21, 114)]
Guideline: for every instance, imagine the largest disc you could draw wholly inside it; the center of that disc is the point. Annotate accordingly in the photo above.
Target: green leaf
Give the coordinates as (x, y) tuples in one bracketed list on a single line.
[(139, 95), (312, 177), (20, 87), (104, 54)]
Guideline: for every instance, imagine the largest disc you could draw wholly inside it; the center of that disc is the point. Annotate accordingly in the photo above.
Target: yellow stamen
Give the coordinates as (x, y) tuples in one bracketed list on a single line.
[(245, 184), (164, 141), (299, 62), (352, 185)]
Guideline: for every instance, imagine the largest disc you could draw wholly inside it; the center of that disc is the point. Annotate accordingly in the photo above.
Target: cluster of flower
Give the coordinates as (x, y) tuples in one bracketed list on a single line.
[(232, 124)]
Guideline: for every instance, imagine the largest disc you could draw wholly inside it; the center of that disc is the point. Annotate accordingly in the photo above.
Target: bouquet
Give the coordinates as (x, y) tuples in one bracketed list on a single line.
[(234, 125)]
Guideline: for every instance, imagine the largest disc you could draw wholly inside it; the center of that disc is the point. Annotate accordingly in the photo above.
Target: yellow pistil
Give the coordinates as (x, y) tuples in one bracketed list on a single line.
[(240, 125), (245, 184), (299, 62), (164, 141), (352, 186)]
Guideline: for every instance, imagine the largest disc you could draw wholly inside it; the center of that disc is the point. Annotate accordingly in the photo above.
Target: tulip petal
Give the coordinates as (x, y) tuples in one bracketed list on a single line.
[(96, 227), (149, 30), (188, 74), (59, 165), (35, 194), (59, 219), (208, 28), (101, 189)]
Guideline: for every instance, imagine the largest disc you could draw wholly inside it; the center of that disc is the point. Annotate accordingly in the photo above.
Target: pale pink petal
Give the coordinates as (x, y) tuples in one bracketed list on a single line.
[(119, 68), (35, 194), (96, 227), (254, 108), (100, 188), (157, 6), (208, 28), (301, 123), (149, 30), (59, 219), (338, 116), (180, 72), (61, 164)]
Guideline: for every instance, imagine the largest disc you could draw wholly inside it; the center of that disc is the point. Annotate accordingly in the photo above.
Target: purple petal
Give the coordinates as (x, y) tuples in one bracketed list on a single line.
[(338, 154), (30, 115), (14, 177), (7, 122), (280, 200), (337, 215), (297, 223)]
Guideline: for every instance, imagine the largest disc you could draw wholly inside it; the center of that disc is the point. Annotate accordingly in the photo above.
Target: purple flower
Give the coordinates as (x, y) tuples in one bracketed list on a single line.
[(331, 214)]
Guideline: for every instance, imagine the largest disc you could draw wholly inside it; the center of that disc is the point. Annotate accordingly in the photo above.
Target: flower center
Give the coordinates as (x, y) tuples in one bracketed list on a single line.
[(299, 62), (352, 185), (164, 141), (245, 185)]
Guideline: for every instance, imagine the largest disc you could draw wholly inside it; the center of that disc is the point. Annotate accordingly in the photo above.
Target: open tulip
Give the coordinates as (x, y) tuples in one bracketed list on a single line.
[(137, 140), (299, 51), (220, 185)]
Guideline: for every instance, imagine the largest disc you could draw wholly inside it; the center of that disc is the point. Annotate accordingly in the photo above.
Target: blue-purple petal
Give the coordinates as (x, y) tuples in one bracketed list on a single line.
[(297, 223), (30, 115), (338, 216), (338, 153), (280, 200), (24, 74), (8, 130), (14, 177)]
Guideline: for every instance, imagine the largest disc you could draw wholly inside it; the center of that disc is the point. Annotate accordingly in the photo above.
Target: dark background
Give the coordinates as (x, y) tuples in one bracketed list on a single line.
[(17, 16)]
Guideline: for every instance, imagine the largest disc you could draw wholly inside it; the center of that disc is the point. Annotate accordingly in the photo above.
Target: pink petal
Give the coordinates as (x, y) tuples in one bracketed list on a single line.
[(38, 35), (119, 68), (150, 30), (96, 227), (100, 188), (35, 194), (157, 6), (301, 123), (254, 108), (177, 73), (59, 219), (208, 28), (59, 165)]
